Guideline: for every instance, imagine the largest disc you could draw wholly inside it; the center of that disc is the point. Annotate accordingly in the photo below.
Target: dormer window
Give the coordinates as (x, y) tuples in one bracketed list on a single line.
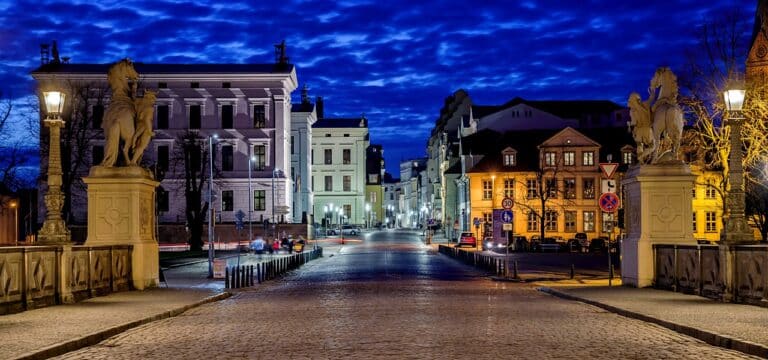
[(509, 156)]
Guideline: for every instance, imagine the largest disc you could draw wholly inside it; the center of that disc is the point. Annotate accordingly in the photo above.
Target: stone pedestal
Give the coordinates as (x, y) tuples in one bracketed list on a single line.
[(658, 210), (121, 211)]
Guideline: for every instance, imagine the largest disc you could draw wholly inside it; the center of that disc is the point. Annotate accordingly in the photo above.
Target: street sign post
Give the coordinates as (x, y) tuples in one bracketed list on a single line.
[(608, 202)]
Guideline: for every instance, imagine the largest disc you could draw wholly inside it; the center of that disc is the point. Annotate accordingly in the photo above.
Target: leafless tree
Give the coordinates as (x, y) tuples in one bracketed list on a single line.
[(189, 162)]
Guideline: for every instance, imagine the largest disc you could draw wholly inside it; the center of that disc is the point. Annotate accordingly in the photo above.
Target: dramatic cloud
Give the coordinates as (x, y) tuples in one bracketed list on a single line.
[(395, 61)]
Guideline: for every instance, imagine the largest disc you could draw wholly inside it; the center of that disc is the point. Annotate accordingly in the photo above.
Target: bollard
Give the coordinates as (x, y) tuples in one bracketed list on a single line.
[(226, 278), (514, 270), (573, 271), (251, 277)]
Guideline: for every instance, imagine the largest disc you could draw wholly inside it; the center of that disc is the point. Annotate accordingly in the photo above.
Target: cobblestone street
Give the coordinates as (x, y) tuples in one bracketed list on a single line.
[(389, 297)]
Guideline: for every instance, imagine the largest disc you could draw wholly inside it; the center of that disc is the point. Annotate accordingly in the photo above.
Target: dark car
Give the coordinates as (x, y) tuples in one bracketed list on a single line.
[(583, 241), (598, 244), (551, 244), (535, 244), (574, 245), (468, 239)]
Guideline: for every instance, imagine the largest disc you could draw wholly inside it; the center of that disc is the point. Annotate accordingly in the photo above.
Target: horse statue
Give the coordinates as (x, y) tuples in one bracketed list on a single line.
[(640, 124), (126, 115), (667, 114)]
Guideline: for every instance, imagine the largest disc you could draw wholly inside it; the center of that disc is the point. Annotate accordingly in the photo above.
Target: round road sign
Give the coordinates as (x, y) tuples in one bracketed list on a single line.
[(507, 203), (506, 216), (609, 202)]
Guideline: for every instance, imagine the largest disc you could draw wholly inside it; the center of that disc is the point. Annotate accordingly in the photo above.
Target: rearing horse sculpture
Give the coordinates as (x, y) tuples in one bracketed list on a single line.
[(118, 121), (667, 115)]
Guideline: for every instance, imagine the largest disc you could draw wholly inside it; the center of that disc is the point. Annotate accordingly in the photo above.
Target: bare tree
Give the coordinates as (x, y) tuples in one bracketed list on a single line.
[(189, 160), (14, 151)]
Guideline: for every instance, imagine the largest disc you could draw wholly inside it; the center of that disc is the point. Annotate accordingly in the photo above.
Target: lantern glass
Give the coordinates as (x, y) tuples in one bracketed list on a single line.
[(54, 102), (734, 99)]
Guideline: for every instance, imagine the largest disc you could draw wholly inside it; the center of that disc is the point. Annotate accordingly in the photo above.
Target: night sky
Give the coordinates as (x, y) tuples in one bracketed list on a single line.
[(395, 61)]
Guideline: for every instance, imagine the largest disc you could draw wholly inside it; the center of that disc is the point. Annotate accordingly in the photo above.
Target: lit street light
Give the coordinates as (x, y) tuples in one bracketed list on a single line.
[(54, 230), (736, 228), (251, 161), (15, 206), (367, 215)]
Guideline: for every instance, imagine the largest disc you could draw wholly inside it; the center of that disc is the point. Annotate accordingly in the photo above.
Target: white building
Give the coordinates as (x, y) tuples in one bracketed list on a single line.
[(247, 106), (338, 168), (303, 116)]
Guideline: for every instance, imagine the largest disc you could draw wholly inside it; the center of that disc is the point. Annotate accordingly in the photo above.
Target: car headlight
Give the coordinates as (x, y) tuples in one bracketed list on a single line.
[(499, 245)]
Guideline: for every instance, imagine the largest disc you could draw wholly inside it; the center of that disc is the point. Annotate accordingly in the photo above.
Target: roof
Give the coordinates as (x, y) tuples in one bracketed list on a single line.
[(566, 109), (341, 123), (145, 68)]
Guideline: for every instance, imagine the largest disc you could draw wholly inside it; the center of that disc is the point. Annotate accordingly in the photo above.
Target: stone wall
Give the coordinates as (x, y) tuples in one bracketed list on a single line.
[(38, 276)]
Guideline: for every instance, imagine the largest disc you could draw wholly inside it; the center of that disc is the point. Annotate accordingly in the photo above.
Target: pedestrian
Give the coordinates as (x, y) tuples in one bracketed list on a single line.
[(275, 246)]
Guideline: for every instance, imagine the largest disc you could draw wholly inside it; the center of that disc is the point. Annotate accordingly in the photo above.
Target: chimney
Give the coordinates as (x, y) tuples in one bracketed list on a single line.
[(280, 56), (319, 106), (44, 54), (55, 53)]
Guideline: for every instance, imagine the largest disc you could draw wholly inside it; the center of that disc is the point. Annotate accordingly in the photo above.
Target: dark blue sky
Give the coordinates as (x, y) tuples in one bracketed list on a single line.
[(393, 60)]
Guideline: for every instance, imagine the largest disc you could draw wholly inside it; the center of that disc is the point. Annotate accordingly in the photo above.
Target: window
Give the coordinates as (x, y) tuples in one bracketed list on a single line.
[(194, 85), (162, 116), (569, 188), (711, 221), (532, 222), (607, 222), (550, 221), (588, 158), (162, 200), (292, 144), (693, 192), (551, 188), (711, 192), (588, 187), (626, 157), (227, 158), (328, 183), (227, 200), (509, 188), (532, 188), (487, 189), (97, 114), (509, 159), (347, 211), (259, 117), (694, 221), (569, 158), (162, 85), (570, 221), (163, 156), (260, 157), (328, 156), (589, 221), (550, 159), (347, 183), (194, 116), (97, 154), (227, 116), (259, 200), (346, 156)]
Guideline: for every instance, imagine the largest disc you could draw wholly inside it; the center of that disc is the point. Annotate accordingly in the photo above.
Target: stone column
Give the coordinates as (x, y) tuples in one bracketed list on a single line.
[(121, 211), (54, 230), (658, 207)]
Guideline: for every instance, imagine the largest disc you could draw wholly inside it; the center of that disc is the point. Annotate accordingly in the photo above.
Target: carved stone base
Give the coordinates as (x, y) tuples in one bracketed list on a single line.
[(53, 232), (121, 211), (658, 210)]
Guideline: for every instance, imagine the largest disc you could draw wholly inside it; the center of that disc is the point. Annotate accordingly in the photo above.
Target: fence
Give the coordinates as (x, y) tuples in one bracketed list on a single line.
[(485, 262), (37, 276), (697, 269), (249, 275)]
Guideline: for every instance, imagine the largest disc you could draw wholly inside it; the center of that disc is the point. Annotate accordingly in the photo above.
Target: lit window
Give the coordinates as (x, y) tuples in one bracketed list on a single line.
[(588, 158), (509, 188), (533, 222), (627, 157), (588, 186), (550, 221), (569, 188), (711, 192), (711, 221), (532, 188), (487, 189), (509, 159), (569, 158), (589, 221), (570, 221), (550, 159)]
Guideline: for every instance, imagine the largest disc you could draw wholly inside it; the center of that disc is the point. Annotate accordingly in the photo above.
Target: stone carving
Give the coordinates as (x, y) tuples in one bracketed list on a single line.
[(656, 119), (128, 117)]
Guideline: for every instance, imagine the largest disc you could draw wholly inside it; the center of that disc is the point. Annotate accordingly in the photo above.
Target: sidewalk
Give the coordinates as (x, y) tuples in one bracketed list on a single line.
[(734, 326), (54, 330)]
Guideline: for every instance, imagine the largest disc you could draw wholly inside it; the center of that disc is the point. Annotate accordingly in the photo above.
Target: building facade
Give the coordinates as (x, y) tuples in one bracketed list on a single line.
[(303, 116), (374, 191)]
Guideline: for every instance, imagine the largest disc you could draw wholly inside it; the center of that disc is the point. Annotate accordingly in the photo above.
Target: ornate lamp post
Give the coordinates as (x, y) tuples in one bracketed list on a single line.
[(15, 206), (251, 161), (54, 230), (737, 229)]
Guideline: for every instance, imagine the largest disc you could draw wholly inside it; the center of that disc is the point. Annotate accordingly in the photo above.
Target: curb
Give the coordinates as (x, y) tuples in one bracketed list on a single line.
[(99, 336), (708, 337)]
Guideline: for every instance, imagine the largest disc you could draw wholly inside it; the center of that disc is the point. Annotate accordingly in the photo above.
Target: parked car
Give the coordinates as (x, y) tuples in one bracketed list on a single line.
[(488, 243), (520, 243), (574, 245), (551, 244), (598, 244), (583, 241), (535, 243), (468, 239), (350, 229)]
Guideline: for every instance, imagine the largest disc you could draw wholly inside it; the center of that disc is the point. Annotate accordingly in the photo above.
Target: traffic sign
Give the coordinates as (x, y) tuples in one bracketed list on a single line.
[(607, 186), (477, 221), (507, 203), (506, 227), (609, 202), (506, 216), (608, 169)]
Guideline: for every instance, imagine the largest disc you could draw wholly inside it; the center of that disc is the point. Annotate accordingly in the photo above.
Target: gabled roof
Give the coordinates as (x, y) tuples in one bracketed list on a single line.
[(145, 68)]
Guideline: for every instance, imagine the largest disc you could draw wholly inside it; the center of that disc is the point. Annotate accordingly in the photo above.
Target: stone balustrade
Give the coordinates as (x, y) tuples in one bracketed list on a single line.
[(698, 269), (37, 276)]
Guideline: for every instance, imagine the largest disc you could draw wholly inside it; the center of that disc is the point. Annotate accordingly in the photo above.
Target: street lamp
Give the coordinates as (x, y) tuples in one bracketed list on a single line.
[(54, 230), (275, 173), (367, 215), (211, 210), (251, 161), (15, 206), (736, 228)]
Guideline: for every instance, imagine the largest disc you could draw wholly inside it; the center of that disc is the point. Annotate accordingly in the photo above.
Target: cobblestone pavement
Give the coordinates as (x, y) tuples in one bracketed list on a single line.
[(391, 297)]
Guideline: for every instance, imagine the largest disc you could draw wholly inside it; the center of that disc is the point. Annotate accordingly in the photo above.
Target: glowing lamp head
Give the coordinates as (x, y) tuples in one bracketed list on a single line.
[(54, 103), (734, 99)]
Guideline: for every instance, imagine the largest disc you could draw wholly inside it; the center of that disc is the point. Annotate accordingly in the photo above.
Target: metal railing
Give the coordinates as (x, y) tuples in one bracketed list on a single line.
[(494, 265), (250, 275)]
